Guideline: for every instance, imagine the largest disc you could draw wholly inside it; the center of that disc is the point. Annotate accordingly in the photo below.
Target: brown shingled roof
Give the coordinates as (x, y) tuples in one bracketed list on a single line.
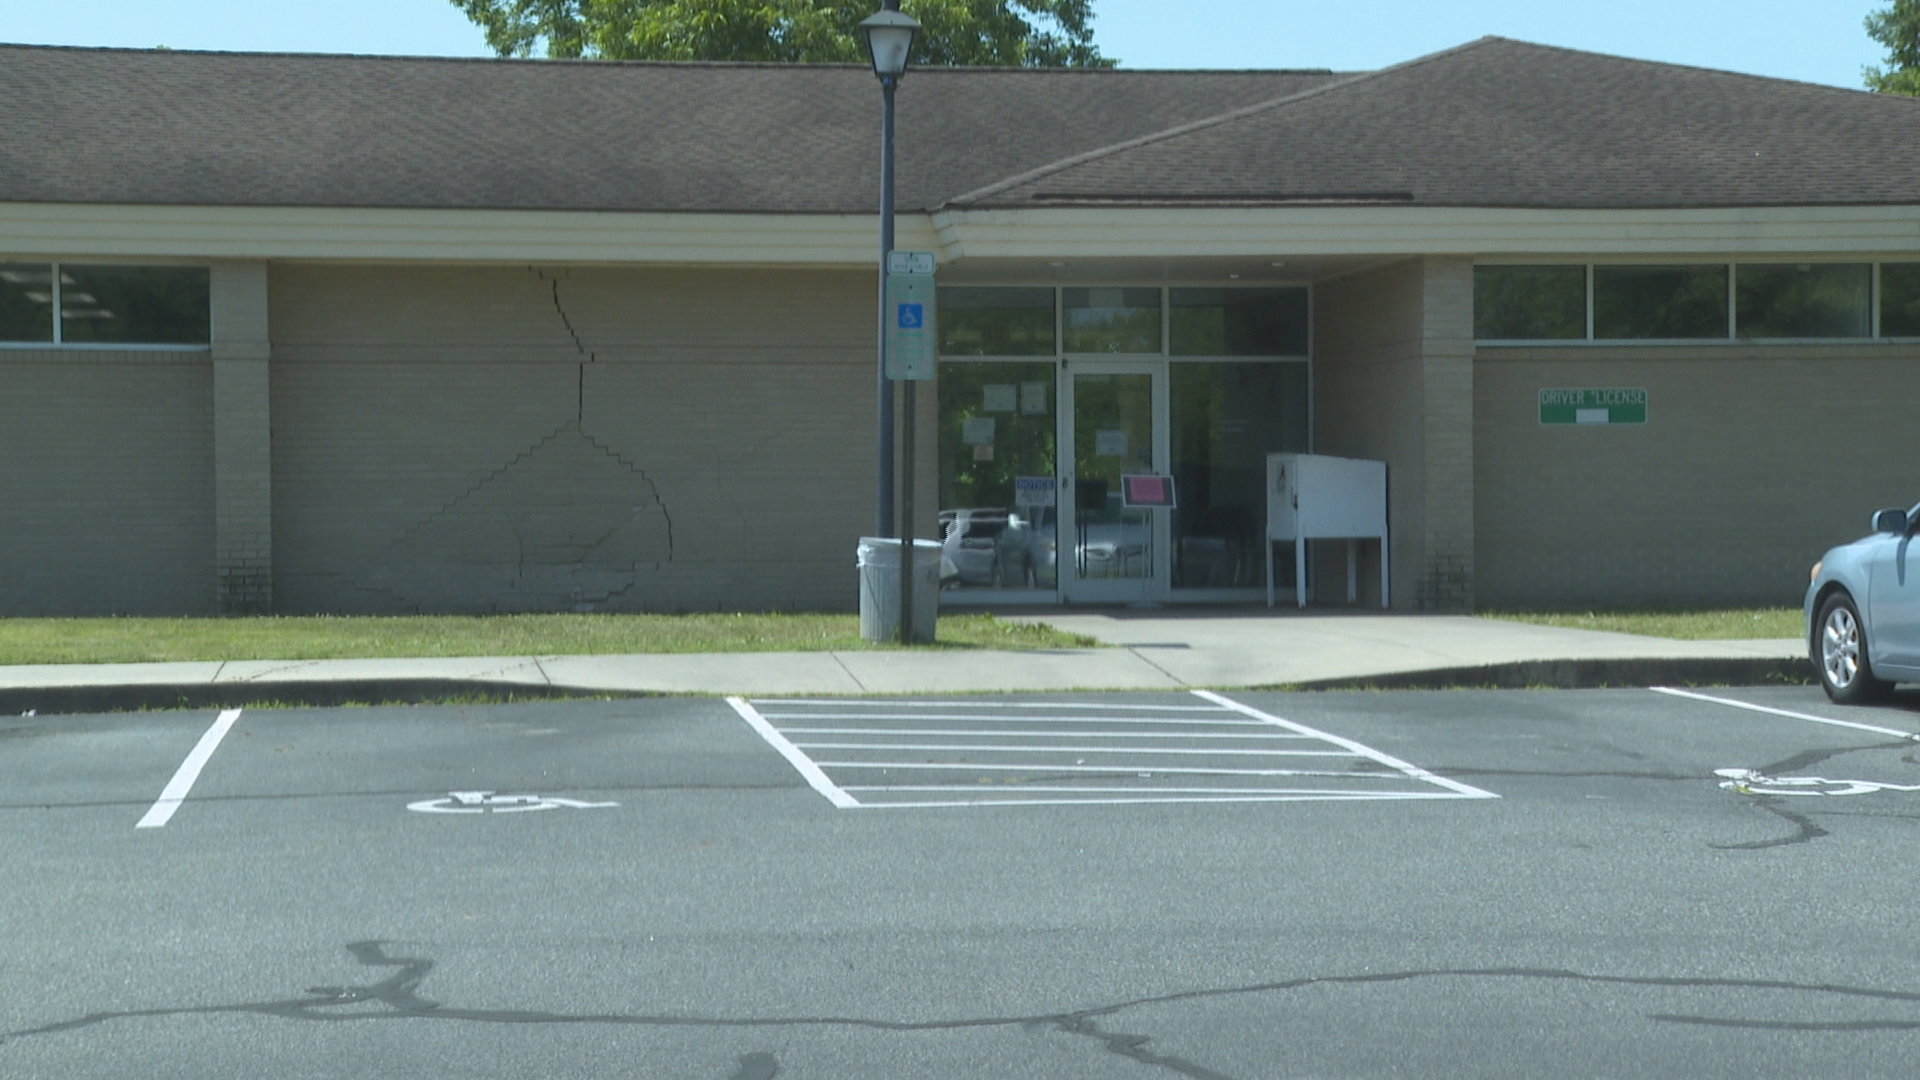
[(1492, 123), (140, 127), (1510, 124)]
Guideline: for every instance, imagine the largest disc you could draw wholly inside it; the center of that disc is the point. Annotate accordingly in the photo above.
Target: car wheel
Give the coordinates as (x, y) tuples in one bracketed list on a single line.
[(1840, 652)]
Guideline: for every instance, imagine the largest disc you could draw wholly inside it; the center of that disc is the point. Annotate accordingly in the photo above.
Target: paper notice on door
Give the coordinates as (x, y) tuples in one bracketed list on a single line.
[(1033, 399), (1111, 442), (997, 397), (977, 431), (1033, 491)]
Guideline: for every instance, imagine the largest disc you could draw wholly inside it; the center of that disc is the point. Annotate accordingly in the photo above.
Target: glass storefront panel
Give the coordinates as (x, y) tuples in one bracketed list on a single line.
[(1805, 300), (1112, 436), (996, 322), (1110, 320), (143, 305), (1900, 300), (26, 302), (1659, 302), (1529, 303), (1226, 418), (997, 507), (1237, 322)]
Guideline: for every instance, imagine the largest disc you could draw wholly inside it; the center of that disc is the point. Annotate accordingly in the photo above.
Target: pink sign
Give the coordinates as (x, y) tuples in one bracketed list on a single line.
[(1146, 490)]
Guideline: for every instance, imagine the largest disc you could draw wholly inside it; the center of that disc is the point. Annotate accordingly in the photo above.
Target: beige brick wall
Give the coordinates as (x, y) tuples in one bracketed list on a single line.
[(1753, 460), (106, 476), (242, 426), (501, 439), (1393, 381)]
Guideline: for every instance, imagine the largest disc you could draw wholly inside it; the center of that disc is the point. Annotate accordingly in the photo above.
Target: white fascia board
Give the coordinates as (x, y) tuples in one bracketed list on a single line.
[(69, 230), (1143, 232)]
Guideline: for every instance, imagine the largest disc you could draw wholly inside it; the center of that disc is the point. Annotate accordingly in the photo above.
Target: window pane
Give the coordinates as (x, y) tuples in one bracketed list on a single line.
[(26, 302), (1111, 320), (1529, 303), (134, 305), (997, 425), (996, 322), (1238, 322), (1659, 302), (1900, 300), (1227, 417), (1804, 300)]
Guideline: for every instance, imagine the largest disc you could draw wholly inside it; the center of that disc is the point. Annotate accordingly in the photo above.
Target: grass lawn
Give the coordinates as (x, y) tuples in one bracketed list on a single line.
[(107, 641), (1722, 624)]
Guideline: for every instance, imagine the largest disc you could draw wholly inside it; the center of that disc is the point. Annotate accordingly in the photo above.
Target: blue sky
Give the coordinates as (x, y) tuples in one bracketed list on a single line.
[(1812, 40)]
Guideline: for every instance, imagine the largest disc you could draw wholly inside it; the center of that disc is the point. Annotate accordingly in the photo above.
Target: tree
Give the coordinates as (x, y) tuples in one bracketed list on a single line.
[(1017, 33), (1898, 28)]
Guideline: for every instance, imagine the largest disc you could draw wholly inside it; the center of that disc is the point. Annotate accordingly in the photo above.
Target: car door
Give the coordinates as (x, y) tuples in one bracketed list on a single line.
[(1893, 604)]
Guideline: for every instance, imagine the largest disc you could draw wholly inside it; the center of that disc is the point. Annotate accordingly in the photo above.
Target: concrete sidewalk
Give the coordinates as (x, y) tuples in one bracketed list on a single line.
[(1160, 650)]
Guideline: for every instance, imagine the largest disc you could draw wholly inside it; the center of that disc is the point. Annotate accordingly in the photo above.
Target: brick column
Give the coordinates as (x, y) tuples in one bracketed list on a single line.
[(242, 440), (1393, 377), (1446, 573)]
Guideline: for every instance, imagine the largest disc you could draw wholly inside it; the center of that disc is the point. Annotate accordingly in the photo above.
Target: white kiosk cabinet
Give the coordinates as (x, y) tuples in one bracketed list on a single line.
[(1312, 497)]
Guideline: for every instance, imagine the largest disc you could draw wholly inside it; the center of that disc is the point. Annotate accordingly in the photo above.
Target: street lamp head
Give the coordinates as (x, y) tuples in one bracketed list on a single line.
[(889, 35)]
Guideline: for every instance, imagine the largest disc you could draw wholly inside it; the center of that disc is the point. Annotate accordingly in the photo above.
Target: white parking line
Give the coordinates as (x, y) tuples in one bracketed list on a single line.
[(1414, 771), (1809, 717), (1396, 796), (976, 719), (794, 756), (176, 790), (979, 705), (947, 732), (1111, 770), (973, 752), (970, 748)]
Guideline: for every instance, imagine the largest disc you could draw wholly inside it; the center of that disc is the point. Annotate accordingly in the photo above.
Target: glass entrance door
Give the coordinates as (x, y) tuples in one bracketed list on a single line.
[(1113, 418)]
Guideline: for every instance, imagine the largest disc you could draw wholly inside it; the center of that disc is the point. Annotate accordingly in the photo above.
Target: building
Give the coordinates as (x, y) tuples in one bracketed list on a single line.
[(349, 334)]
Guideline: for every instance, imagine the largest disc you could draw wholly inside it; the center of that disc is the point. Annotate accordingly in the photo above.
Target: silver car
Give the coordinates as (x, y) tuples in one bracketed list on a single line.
[(1863, 611)]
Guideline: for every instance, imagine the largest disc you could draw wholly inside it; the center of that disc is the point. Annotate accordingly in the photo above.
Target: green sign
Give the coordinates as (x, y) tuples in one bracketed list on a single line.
[(1588, 406), (911, 341)]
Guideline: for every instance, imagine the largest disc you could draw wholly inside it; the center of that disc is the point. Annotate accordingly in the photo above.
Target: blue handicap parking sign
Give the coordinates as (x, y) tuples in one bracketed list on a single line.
[(912, 316)]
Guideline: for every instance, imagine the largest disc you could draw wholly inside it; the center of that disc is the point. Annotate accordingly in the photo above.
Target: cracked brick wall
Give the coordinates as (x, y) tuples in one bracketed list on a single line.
[(554, 438)]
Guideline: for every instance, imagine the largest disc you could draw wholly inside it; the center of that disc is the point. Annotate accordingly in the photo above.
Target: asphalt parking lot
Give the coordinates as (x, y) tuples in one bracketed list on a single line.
[(1458, 883)]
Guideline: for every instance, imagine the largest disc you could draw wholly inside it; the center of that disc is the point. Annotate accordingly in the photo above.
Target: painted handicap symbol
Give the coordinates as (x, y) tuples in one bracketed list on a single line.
[(1749, 782), (488, 802), (913, 316)]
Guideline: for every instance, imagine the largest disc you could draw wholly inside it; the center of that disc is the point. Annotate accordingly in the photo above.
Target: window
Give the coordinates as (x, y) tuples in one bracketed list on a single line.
[(1659, 302), (1817, 300), (1238, 322), (104, 305), (26, 302), (1111, 320), (996, 322), (1529, 303), (1900, 300)]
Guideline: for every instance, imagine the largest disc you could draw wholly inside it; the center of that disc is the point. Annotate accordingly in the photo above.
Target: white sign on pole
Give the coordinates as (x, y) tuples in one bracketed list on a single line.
[(912, 342)]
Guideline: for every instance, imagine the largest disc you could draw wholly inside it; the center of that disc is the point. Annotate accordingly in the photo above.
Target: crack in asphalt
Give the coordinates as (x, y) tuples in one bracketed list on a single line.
[(397, 997), (1805, 828), (1772, 805)]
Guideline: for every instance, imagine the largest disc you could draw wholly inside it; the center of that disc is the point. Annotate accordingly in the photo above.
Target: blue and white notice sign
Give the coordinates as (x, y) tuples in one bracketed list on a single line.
[(912, 344)]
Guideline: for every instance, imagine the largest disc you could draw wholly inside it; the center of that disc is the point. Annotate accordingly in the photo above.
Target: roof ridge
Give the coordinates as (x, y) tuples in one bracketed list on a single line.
[(605, 62), (1704, 69), (1212, 121)]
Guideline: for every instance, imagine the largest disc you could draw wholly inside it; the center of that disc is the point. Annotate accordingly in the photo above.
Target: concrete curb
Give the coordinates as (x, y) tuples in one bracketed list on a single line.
[(1584, 675), (323, 693), (314, 693)]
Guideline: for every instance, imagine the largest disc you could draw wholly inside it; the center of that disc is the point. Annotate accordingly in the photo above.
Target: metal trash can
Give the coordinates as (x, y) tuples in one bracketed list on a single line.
[(879, 563)]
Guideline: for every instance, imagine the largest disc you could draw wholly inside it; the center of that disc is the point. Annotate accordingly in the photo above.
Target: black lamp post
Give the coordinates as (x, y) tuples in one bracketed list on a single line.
[(889, 37)]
